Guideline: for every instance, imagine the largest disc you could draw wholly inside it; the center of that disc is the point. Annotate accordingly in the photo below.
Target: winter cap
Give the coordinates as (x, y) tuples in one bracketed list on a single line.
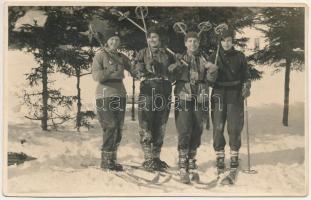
[(227, 33), (109, 33), (104, 29)]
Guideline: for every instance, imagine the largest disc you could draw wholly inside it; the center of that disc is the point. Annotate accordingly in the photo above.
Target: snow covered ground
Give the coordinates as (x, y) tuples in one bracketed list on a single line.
[(66, 160)]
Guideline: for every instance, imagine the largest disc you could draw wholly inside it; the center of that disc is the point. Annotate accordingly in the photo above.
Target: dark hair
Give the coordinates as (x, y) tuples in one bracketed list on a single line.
[(149, 34), (191, 35)]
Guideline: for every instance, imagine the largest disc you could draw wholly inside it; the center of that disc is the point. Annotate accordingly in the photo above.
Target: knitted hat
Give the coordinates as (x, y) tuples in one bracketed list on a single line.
[(227, 33), (109, 33), (104, 29)]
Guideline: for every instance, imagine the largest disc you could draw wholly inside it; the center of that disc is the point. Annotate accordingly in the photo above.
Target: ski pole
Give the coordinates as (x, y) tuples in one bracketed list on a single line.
[(249, 170), (247, 136), (125, 16), (140, 14)]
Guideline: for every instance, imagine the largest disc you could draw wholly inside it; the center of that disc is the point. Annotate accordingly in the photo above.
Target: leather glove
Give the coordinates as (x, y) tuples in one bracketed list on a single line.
[(246, 89), (177, 64)]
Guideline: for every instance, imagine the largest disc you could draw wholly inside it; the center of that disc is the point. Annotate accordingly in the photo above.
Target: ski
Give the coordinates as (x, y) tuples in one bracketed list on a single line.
[(155, 180), (196, 183), (128, 176), (132, 179), (230, 178), (207, 185), (166, 171), (213, 183), (199, 184)]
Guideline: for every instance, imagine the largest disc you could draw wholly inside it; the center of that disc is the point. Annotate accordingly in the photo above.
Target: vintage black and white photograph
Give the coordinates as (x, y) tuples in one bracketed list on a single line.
[(155, 99)]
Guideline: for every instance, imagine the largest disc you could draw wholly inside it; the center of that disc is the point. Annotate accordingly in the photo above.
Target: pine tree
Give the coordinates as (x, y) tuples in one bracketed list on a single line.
[(75, 62), (74, 59), (46, 104), (284, 30)]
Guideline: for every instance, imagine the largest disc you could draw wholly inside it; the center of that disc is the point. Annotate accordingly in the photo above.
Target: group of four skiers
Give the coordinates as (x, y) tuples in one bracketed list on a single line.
[(157, 70)]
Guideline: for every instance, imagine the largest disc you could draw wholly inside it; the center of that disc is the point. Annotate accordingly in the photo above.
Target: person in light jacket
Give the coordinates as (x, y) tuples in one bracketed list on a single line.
[(108, 70)]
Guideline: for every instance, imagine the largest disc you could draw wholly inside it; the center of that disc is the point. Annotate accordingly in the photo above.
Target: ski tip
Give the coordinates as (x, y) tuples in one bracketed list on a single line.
[(156, 178)]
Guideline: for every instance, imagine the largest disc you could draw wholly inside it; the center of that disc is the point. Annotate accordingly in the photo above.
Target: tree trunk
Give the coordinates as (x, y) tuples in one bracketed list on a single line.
[(79, 104), (45, 95), (286, 92)]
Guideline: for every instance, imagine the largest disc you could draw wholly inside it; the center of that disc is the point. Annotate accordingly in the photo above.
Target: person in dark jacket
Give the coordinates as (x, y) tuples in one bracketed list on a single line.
[(108, 70), (191, 103), (154, 98), (232, 86)]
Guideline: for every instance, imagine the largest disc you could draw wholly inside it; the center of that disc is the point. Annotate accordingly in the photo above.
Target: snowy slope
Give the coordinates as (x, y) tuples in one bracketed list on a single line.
[(277, 155)]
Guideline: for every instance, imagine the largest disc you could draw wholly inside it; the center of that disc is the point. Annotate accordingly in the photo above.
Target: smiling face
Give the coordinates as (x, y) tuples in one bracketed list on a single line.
[(192, 44), (227, 43), (154, 40), (113, 42)]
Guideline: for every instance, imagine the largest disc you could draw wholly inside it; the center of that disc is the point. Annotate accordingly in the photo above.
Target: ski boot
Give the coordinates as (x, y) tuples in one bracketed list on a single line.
[(118, 167), (230, 178), (183, 167), (220, 162), (184, 176), (160, 165), (108, 162), (193, 167), (149, 163)]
